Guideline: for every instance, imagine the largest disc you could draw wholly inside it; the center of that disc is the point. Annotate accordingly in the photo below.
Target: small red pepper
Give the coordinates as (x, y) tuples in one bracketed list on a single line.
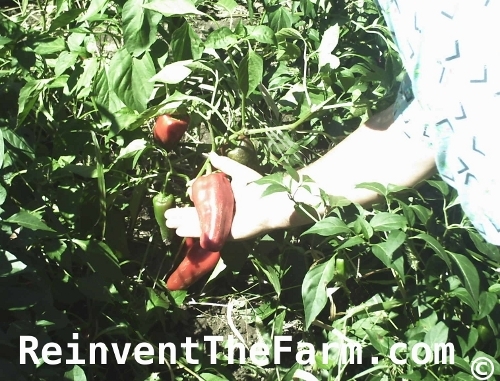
[(169, 130), (213, 199), (197, 262)]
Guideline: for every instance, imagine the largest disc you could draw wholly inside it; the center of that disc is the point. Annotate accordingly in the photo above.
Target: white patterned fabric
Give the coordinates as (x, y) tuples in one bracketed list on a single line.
[(452, 94)]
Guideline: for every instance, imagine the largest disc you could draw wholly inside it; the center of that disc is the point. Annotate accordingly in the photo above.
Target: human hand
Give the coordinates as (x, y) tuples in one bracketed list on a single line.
[(254, 214)]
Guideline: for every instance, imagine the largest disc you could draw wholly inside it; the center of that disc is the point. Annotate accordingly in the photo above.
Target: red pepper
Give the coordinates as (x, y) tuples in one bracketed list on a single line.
[(213, 199), (197, 262), (168, 130)]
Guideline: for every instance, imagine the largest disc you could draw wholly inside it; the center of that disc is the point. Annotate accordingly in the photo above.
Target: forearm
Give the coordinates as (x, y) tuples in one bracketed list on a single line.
[(378, 151)]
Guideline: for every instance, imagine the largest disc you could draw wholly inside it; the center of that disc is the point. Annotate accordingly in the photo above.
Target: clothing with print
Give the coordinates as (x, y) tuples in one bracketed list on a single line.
[(452, 93)]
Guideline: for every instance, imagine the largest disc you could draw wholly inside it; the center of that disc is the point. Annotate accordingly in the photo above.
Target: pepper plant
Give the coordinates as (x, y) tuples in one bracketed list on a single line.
[(82, 83)]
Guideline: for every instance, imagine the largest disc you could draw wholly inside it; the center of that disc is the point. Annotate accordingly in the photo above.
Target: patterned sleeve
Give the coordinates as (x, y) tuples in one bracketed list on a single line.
[(451, 94)]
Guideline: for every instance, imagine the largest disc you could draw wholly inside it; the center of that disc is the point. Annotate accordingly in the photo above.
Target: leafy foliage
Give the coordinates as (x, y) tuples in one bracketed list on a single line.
[(81, 83)]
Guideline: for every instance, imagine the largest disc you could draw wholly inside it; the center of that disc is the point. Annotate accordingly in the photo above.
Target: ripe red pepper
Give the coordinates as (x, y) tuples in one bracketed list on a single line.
[(197, 262), (162, 202), (168, 130), (213, 199)]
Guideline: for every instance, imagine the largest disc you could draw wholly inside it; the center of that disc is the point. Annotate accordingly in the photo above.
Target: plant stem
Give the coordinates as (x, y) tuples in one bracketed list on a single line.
[(294, 125)]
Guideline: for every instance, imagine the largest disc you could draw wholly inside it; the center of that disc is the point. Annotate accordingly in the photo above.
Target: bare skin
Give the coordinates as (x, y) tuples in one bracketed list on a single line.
[(375, 152)]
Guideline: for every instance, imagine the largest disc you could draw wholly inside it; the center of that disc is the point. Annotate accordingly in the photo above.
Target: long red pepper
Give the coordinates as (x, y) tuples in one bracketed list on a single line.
[(197, 262), (213, 199)]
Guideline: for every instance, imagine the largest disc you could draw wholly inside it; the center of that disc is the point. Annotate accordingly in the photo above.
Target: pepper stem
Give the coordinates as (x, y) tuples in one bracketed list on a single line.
[(164, 186)]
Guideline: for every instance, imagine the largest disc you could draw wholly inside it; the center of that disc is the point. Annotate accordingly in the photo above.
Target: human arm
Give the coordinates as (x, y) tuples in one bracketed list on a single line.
[(378, 151)]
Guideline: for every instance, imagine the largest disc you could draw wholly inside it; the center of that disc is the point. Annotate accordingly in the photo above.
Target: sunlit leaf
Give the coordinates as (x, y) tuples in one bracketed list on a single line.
[(328, 226), (385, 221), (186, 44), (468, 274), (174, 7), (130, 78), (250, 73), (434, 245), (221, 38), (29, 220), (173, 73), (314, 295)]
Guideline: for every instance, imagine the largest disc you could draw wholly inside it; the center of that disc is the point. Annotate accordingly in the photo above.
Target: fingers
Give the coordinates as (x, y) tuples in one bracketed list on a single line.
[(184, 221), (238, 172)]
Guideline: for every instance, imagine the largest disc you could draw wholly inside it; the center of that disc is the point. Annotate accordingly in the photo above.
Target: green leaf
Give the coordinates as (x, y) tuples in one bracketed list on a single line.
[(10, 264), (434, 245), (95, 287), (328, 226), (261, 33), (328, 44), (468, 275), (361, 226), (4, 41), (375, 187), (86, 171), (289, 33), (101, 90), (2, 153), (462, 294), (495, 288), (101, 259), (314, 292), (380, 342), (280, 18), (64, 62), (292, 172), (275, 178), (139, 27), (101, 184), (440, 185), (385, 221), (95, 7), (3, 195), (422, 213), (132, 148), (29, 220), (84, 84), (271, 273), (229, 5), (57, 250), (64, 18), (250, 73), (487, 302), (274, 188), (186, 44), (173, 73), (384, 250), (467, 338), (174, 7), (288, 51), (27, 97), (156, 300), (211, 377), (352, 241), (50, 46), (129, 77), (221, 38), (438, 334), (491, 251)]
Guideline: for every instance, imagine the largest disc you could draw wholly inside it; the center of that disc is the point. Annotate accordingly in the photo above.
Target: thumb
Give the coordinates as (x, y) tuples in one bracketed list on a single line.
[(238, 172)]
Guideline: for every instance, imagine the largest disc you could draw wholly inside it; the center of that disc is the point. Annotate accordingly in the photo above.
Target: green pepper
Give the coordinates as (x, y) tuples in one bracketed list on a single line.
[(162, 202), (244, 153)]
